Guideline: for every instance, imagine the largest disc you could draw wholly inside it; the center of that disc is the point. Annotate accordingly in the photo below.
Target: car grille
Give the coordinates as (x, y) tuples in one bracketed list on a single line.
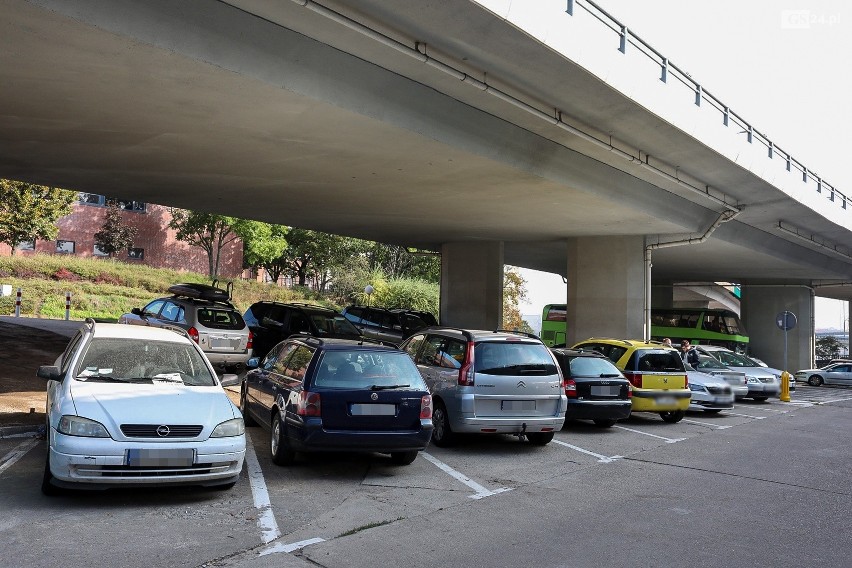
[(149, 472), (719, 390), (766, 379), (150, 430)]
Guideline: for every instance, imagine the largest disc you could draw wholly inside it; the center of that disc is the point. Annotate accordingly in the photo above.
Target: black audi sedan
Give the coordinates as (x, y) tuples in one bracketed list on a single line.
[(595, 388), (337, 395)]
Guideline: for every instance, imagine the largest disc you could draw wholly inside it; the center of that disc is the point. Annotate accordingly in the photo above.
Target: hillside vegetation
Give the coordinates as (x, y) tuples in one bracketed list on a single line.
[(104, 289)]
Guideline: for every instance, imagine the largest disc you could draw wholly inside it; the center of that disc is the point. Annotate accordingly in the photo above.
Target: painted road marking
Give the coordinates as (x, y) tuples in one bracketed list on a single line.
[(281, 547), (601, 458), (716, 426), (20, 451), (480, 491), (667, 440), (835, 400), (266, 519), (746, 416)]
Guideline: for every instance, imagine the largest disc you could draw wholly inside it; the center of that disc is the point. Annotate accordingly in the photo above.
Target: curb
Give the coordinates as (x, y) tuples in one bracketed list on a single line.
[(19, 430)]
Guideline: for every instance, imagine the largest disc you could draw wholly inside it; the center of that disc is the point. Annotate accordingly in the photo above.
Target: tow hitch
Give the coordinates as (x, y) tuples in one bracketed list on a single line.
[(522, 435)]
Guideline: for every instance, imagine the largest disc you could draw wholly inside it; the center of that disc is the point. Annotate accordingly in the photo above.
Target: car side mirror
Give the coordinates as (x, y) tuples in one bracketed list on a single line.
[(49, 372), (229, 379), (253, 363), (136, 312)]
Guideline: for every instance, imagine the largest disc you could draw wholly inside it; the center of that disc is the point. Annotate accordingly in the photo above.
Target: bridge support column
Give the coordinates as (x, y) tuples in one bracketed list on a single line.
[(759, 306), (606, 287), (472, 284)]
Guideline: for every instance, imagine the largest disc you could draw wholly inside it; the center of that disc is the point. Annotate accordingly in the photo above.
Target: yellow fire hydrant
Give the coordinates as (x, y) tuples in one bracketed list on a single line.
[(785, 387)]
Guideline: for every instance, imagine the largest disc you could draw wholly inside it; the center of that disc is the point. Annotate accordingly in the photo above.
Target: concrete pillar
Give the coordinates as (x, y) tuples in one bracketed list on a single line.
[(760, 304), (606, 287), (472, 284)]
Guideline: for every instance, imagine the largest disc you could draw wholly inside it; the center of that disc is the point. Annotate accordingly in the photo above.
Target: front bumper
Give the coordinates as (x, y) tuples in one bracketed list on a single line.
[(707, 401)]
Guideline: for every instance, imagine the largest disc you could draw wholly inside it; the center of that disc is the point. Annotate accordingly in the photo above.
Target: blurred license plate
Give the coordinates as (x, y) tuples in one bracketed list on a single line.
[(218, 343), (604, 390), (373, 410), (516, 405), (183, 457), (666, 400)]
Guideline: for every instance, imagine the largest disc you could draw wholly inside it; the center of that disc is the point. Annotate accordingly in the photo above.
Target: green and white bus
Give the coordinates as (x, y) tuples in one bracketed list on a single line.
[(707, 326)]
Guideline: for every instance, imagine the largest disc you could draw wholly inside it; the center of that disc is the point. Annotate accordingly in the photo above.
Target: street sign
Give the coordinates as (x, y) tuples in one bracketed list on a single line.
[(785, 320)]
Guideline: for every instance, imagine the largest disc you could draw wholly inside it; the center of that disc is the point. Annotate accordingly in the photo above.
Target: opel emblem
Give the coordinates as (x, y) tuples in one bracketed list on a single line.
[(522, 384), (374, 396), (162, 431)]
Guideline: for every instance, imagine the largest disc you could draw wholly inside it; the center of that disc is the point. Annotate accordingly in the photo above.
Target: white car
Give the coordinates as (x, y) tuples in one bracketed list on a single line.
[(761, 383), (835, 374), (138, 406), (710, 394), (737, 379)]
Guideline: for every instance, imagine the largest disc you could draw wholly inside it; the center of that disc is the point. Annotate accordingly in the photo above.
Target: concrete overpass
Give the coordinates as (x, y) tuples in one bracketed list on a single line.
[(474, 128)]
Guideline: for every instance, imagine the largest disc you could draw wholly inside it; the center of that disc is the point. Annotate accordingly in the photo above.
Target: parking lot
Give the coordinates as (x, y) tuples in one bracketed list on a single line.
[(761, 485)]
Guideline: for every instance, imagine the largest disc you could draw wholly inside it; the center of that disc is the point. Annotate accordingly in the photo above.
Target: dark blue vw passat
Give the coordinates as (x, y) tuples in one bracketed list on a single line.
[(327, 395)]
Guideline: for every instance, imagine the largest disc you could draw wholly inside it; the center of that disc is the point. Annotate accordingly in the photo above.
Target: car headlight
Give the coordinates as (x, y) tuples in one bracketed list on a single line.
[(697, 388), (229, 428), (750, 379), (79, 426)]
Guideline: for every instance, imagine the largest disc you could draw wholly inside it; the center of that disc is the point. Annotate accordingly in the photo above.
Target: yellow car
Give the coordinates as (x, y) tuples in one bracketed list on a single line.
[(656, 373)]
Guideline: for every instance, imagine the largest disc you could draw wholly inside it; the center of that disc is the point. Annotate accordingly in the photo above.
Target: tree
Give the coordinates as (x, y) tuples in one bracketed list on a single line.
[(828, 347), (28, 212), (313, 254), (263, 244), (397, 262), (115, 235), (514, 290), (209, 231)]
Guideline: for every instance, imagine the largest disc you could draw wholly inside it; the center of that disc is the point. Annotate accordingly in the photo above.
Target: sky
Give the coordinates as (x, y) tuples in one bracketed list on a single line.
[(781, 65)]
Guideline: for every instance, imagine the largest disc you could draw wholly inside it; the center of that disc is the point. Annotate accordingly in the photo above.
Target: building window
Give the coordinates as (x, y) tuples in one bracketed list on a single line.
[(98, 252), (136, 254), (90, 199), (26, 245), (127, 205), (65, 247)]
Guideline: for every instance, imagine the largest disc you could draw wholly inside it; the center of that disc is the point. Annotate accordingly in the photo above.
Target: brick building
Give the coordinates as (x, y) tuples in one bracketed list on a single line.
[(155, 244)]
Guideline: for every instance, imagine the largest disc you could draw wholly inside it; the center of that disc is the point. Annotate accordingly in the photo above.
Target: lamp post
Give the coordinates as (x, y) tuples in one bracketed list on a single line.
[(368, 289)]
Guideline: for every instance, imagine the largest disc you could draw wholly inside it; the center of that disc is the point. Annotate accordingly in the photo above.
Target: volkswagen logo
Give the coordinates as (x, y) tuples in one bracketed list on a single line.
[(163, 431), (522, 384), (374, 396), (604, 382)]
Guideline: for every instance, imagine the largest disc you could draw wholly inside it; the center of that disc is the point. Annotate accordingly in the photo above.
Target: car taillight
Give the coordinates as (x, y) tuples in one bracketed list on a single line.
[(571, 388), (466, 371), (193, 333), (629, 392), (426, 407), (634, 378), (685, 381), (309, 404), (250, 340)]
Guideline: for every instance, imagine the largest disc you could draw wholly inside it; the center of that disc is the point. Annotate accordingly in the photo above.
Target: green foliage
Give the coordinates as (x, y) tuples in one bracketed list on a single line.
[(262, 242), (514, 290), (210, 232), (115, 235), (828, 347), (29, 212)]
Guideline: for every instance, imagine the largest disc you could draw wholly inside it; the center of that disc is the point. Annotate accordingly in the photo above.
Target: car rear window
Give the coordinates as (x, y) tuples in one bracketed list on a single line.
[(362, 369), (656, 361), (592, 367), (513, 358), (220, 318)]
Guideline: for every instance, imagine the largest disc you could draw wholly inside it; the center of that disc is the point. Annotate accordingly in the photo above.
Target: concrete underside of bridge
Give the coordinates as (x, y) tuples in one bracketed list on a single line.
[(278, 112)]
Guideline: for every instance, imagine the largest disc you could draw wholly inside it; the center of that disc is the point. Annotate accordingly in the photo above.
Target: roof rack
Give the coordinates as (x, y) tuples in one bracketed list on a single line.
[(91, 323), (307, 305), (464, 332), (531, 335)]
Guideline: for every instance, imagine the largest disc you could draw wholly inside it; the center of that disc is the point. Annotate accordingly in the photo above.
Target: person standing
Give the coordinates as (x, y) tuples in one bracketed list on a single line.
[(667, 342), (688, 353)]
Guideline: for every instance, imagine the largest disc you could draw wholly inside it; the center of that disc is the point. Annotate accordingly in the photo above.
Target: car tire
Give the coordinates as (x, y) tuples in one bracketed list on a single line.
[(759, 398), (539, 438), (673, 416), (713, 410), (604, 423), (247, 419), (403, 458), (279, 447), (815, 381), (442, 432), (47, 487)]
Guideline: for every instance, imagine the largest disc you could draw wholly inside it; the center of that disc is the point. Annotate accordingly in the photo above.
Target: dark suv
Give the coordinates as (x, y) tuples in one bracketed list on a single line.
[(390, 325), (272, 322)]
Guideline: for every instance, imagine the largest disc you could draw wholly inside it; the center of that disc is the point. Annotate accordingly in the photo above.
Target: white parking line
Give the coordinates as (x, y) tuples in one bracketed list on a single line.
[(20, 451), (601, 458), (266, 519), (480, 490), (716, 426), (281, 547), (746, 416), (835, 400), (668, 440)]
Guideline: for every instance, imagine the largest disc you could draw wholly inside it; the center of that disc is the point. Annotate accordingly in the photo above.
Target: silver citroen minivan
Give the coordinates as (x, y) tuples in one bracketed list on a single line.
[(491, 382)]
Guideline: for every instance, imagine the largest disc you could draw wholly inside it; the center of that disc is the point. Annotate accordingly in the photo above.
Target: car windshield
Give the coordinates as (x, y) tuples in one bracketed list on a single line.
[(707, 362), (513, 358), (734, 359), (333, 325), (593, 367), (365, 369), (135, 361)]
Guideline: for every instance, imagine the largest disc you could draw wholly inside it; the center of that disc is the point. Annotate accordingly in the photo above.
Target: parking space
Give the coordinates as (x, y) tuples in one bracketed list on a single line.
[(276, 510)]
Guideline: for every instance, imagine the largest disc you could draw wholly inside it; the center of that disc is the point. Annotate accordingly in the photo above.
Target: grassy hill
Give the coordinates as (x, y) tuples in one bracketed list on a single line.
[(104, 289)]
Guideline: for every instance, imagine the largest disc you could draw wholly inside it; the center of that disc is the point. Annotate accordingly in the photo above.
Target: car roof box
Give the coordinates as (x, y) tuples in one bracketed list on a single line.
[(201, 292)]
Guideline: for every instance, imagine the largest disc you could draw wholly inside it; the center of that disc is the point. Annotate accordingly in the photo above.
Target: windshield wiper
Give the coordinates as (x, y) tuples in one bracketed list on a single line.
[(104, 378), (387, 387)]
